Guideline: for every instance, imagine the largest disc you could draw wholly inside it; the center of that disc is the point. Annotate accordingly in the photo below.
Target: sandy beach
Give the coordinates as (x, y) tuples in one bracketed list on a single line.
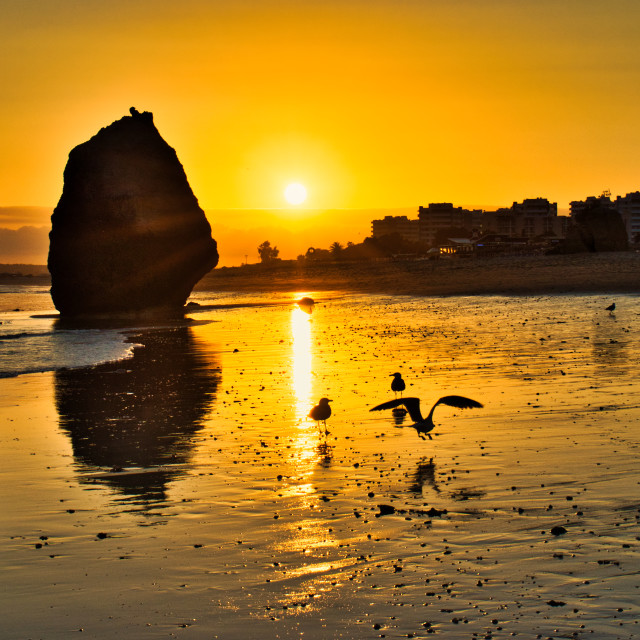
[(185, 493), (521, 275)]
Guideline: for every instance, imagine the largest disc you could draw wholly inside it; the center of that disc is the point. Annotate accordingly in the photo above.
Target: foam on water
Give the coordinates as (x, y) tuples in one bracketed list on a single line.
[(31, 339)]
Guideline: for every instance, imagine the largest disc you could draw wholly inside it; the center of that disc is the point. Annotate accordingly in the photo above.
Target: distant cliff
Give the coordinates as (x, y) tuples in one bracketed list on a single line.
[(128, 235)]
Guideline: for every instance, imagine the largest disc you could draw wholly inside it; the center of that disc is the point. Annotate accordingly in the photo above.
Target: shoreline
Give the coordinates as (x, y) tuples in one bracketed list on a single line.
[(605, 273), (501, 275)]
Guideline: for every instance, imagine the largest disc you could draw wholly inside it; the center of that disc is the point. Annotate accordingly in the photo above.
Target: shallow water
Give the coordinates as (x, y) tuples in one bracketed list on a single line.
[(239, 518)]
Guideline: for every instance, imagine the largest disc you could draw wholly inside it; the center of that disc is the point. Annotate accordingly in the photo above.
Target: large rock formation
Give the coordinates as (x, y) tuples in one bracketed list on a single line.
[(598, 227), (128, 235)]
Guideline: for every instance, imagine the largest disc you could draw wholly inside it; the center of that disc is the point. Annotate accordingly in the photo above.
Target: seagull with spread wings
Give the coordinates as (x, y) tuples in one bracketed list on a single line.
[(424, 425)]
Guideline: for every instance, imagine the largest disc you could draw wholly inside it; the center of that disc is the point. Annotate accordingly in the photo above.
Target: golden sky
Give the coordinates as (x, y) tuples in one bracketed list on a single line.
[(369, 104)]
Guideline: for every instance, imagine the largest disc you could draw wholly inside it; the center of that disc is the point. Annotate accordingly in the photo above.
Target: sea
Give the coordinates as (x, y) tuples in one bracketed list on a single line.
[(33, 338), (165, 480)]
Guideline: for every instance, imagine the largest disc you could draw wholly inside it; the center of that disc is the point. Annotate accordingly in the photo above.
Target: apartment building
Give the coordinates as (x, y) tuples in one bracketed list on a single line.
[(389, 225), (530, 218), (576, 206), (444, 215)]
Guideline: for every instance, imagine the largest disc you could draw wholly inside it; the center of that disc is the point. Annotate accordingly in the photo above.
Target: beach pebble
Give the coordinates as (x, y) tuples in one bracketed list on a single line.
[(556, 603), (386, 509)]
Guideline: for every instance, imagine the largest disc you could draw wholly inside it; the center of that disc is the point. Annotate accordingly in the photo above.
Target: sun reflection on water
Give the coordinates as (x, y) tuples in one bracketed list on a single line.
[(306, 440), (301, 362), (307, 533)]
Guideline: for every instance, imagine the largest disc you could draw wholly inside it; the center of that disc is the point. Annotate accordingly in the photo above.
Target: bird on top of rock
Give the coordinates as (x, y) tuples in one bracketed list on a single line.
[(611, 308), (321, 412), (397, 384), (425, 425)]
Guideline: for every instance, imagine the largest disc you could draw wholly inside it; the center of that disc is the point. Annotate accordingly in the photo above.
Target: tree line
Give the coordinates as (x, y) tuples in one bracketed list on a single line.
[(370, 249)]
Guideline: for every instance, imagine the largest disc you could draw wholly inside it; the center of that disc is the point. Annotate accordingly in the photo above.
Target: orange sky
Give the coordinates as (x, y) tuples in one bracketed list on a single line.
[(376, 104)]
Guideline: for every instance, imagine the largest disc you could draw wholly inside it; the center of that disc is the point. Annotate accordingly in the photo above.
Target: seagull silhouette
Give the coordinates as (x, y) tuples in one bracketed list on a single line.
[(321, 412), (611, 308), (424, 425), (397, 384)]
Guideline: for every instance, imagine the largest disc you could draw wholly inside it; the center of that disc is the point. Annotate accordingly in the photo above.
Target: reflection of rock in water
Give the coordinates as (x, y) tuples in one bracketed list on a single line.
[(424, 476), (139, 412), (139, 490)]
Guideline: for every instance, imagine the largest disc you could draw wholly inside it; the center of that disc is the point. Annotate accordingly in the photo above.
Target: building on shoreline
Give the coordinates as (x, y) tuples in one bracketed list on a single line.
[(389, 225), (531, 218), (444, 215), (604, 201)]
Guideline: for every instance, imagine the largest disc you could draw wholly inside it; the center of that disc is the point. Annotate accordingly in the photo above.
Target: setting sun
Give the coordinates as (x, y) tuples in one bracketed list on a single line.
[(295, 193)]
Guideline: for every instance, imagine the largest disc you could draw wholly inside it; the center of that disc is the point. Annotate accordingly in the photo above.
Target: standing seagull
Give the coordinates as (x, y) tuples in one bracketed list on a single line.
[(424, 425), (321, 412), (397, 384), (611, 308)]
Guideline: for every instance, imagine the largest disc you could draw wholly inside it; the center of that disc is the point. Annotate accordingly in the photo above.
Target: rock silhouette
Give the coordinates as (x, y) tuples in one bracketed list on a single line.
[(597, 228), (128, 235)]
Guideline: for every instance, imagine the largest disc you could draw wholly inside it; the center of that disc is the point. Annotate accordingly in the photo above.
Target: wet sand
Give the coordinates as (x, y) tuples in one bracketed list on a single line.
[(507, 275), (236, 517)]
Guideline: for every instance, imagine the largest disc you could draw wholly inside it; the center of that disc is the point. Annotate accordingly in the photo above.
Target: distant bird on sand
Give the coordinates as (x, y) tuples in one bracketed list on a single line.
[(611, 308), (321, 412), (306, 304), (397, 384), (424, 425)]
